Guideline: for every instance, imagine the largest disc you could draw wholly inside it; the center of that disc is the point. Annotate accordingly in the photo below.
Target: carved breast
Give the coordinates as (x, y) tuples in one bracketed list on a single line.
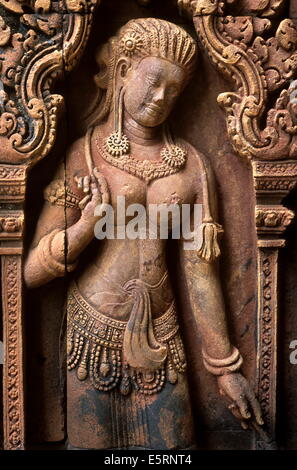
[(175, 189)]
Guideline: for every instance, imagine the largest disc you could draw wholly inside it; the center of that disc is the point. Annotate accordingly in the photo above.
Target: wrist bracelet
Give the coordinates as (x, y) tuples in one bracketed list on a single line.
[(48, 261), (223, 366)]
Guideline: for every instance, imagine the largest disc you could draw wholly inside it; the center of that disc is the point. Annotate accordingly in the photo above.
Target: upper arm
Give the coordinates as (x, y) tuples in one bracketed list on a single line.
[(205, 182), (206, 229)]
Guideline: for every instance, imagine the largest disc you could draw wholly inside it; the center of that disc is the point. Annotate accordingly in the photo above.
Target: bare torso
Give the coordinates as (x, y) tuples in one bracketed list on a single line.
[(113, 263)]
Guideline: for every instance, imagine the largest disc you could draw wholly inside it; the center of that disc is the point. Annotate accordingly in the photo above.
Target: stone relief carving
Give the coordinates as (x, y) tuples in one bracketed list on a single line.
[(258, 68), (38, 40), (34, 54), (123, 327), (259, 65)]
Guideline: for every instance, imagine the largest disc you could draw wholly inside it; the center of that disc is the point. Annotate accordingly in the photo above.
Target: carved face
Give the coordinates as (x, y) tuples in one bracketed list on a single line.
[(151, 89)]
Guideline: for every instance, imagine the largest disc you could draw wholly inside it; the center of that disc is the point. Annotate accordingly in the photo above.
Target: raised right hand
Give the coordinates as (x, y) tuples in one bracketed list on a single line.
[(96, 189)]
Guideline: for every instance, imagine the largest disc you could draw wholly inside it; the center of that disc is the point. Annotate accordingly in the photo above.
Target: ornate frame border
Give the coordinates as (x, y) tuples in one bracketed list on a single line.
[(260, 66), (54, 39), (46, 39)]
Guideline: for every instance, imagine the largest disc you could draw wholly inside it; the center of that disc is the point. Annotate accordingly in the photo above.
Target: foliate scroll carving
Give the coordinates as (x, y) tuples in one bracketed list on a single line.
[(39, 40), (44, 39), (273, 178), (201, 7), (11, 225), (266, 326), (267, 330), (12, 183), (273, 219), (265, 8), (13, 356), (257, 67)]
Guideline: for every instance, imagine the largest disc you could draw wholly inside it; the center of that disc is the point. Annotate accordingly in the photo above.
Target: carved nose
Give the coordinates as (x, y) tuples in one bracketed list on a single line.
[(159, 96)]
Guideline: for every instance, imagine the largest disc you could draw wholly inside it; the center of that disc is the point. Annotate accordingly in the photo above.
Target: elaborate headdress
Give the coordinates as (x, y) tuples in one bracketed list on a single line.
[(159, 38), (141, 38)]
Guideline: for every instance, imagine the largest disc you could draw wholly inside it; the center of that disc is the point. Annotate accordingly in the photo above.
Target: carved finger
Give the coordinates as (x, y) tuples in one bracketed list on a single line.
[(96, 194), (237, 414), (79, 181), (103, 185), (235, 411), (94, 189), (255, 407), (243, 407), (82, 204), (244, 425), (86, 184)]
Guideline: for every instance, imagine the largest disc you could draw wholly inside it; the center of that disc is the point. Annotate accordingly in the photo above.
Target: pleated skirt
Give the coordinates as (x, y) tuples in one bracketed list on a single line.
[(110, 420)]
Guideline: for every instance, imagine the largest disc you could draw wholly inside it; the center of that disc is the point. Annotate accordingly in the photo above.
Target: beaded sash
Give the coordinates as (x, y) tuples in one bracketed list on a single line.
[(95, 349)]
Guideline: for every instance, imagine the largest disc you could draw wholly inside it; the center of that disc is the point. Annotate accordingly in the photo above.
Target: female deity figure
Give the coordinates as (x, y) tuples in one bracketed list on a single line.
[(126, 381)]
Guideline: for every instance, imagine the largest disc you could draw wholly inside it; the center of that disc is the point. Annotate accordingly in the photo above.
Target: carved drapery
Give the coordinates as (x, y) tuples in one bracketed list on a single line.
[(258, 54), (39, 41)]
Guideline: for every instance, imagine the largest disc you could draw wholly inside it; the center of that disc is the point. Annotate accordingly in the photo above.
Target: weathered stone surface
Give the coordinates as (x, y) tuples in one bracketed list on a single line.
[(256, 107)]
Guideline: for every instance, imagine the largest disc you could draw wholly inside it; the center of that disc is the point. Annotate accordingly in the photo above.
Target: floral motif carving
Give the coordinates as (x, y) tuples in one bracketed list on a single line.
[(44, 39), (267, 332), (275, 169), (13, 399), (12, 183), (270, 177), (257, 67), (10, 225), (258, 53), (273, 219), (30, 64)]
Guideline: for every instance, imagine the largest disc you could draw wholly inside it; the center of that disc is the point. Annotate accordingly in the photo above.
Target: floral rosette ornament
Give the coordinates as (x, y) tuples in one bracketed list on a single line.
[(131, 43), (175, 157)]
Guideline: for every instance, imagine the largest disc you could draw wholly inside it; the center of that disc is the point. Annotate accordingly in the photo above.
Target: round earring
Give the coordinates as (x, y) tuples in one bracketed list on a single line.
[(173, 155), (117, 144)]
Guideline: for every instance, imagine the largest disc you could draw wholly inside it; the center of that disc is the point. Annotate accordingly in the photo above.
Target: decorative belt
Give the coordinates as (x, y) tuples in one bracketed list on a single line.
[(140, 353)]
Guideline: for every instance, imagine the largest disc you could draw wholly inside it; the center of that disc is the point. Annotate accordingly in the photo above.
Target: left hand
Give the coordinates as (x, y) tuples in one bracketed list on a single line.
[(241, 398)]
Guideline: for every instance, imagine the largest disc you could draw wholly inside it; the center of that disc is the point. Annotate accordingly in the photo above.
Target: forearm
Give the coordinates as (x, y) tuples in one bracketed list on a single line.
[(68, 244), (57, 253)]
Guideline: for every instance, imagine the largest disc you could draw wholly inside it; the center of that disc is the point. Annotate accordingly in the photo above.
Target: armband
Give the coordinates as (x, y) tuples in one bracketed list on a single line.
[(59, 194)]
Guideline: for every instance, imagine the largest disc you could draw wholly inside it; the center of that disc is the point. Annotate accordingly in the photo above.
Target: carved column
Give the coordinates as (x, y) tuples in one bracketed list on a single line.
[(259, 57), (12, 194), (273, 181), (39, 41)]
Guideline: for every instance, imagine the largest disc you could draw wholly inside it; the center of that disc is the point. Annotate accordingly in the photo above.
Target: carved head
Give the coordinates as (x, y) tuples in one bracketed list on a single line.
[(151, 61)]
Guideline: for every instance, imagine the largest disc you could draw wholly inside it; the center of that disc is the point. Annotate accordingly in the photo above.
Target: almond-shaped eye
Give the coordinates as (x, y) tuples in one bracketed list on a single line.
[(152, 81), (173, 91)]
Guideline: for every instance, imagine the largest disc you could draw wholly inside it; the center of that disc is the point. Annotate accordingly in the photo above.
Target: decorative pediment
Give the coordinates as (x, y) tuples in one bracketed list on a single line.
[(40, 41)]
